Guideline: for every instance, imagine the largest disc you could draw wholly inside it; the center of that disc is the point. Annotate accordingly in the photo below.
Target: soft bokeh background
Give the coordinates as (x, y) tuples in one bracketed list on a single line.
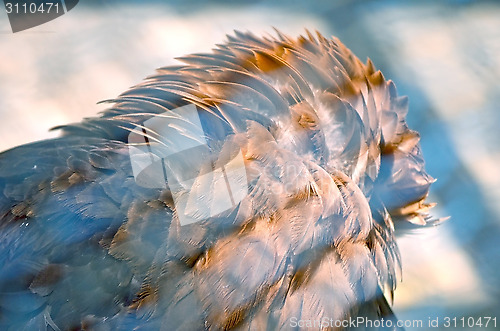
[(445, 55)]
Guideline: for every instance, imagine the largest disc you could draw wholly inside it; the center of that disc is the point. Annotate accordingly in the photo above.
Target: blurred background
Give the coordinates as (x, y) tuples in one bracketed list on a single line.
[(445, 55)]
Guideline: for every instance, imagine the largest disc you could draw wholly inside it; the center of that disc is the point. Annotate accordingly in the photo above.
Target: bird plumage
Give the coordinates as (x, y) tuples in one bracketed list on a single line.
[(329, 165)]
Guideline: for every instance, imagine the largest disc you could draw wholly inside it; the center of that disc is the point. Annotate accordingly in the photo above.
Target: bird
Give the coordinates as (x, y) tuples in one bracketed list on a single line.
[(256, 187)]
